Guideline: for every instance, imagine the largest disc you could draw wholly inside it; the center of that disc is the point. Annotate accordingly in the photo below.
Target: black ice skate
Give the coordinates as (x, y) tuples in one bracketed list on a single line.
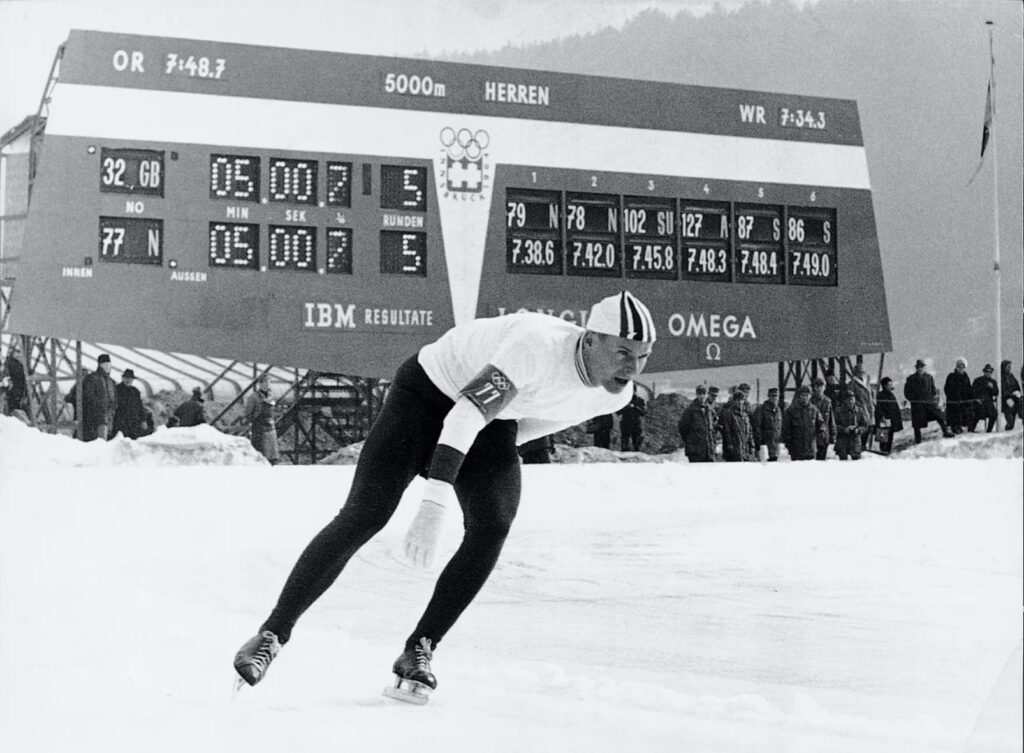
[(413, 679), (254, 657)]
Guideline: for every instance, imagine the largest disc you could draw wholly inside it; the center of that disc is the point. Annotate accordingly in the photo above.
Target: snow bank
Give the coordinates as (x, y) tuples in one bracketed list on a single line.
[(23, 447), (999, 445)]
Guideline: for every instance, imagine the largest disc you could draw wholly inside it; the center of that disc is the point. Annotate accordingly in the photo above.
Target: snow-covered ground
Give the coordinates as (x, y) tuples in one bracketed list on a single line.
[(872, 606)]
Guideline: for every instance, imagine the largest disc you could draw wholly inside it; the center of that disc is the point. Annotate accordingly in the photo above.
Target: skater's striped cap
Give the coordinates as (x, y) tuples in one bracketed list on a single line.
[(622, 315)]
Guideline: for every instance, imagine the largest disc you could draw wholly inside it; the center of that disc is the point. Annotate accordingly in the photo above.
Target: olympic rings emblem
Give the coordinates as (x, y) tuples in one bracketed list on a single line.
[(465, 143)]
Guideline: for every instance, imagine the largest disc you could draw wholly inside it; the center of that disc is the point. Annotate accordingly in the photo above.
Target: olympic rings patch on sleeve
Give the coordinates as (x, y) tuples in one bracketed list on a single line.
[(490, 391)]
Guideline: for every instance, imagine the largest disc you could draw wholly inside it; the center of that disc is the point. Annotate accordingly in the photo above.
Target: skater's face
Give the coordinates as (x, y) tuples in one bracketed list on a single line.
[(613, 362)]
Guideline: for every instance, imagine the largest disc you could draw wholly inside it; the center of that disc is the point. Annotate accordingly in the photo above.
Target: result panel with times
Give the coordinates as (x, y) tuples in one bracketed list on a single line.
[(341, 228)]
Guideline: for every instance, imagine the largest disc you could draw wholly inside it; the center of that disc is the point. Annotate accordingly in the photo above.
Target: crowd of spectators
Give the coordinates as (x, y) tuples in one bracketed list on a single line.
[(845, 413), (849, 415)]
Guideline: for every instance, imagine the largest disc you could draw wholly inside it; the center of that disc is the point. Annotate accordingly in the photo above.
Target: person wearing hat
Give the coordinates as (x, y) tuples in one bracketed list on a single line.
[(631, 424), (959, 398), (824, 404), (860, 386), (767, 424), (850, 426), (986, 399), (454, 414), (99, 401), (802, 425), (888, 417), (192, 412), (745, 389), (737, 433), (697, 428), (835, 389), (16, 386), (1009, 388), (260, 411), (920, 391), (130, 414)]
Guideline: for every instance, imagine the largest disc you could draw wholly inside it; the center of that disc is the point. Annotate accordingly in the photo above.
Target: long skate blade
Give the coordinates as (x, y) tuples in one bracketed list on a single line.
[(237, 687), (408, 691)]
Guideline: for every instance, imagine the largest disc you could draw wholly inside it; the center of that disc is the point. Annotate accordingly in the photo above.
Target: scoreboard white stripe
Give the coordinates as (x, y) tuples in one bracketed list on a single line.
[(188, 118)]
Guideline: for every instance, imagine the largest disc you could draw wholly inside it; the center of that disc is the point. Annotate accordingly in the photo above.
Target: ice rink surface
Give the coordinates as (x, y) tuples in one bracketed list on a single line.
[(871, 606)]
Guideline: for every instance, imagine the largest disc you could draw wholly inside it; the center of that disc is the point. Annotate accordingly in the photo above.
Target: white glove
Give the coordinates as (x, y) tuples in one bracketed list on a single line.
[(422, 537)]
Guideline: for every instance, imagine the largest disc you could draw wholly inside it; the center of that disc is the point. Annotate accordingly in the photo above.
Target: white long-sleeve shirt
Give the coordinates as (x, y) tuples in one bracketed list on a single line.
[(537, 354)]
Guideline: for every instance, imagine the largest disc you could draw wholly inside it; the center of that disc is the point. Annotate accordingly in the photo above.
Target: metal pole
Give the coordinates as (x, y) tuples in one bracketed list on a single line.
[(995, 224), (79, 434)]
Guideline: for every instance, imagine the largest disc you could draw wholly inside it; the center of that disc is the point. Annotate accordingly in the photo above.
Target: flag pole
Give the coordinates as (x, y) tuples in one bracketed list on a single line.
[(995, 222)]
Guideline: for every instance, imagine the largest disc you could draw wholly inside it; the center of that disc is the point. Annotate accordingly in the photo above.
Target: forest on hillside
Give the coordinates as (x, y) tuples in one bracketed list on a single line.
[(918, 72)]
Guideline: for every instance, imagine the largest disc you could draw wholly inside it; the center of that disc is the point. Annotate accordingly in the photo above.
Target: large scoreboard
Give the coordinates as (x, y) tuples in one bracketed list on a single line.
[(337, 211)]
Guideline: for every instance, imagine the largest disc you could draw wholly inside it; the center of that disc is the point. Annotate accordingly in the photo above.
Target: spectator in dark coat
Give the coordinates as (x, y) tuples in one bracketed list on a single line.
[(697, 428), (192, 412), (259, 410), (737, 434), (860, 386), (99, 401), (1013, 406), (821, 401), (767, 425), (959, 398), (716, 409), (745, 389), (537, 450), (802, 425), (631, 424), (14, 375), (130, 414), (72, 399), (920, 391), (888, 418), (850, 425), (834, 390), (986, 396), (601, 427)]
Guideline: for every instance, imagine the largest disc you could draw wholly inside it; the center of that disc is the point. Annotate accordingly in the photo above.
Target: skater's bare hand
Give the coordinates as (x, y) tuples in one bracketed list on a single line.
[(425, 531)]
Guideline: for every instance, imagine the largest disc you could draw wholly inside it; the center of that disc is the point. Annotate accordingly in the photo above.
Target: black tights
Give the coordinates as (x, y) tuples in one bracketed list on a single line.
[(399, 446)]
